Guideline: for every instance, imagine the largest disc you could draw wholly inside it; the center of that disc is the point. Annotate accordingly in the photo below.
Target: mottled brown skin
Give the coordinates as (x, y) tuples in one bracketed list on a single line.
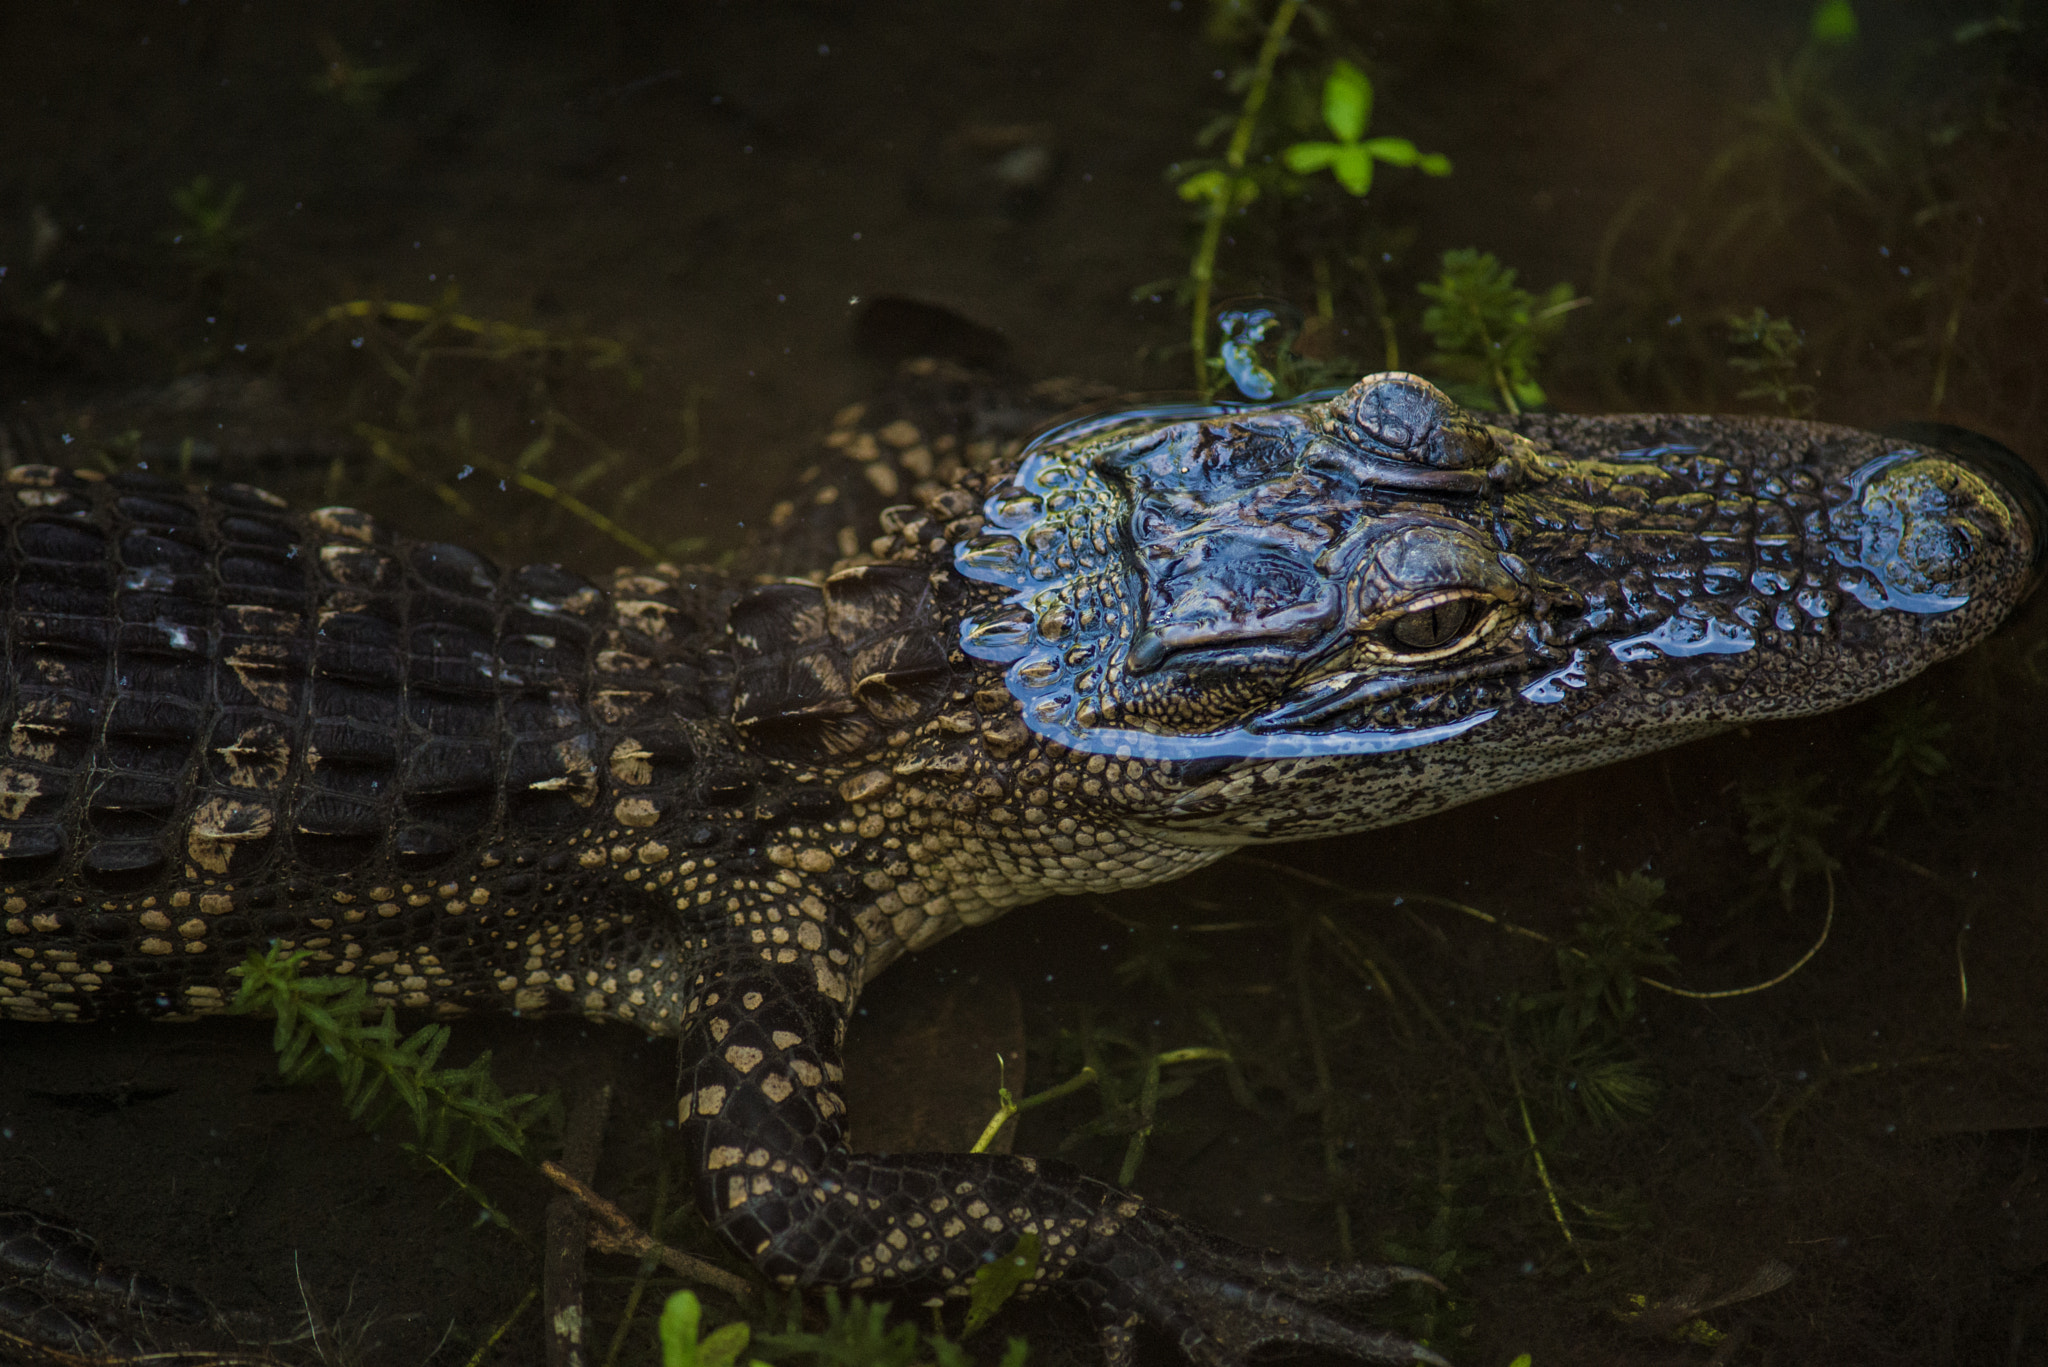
[(714, 808)]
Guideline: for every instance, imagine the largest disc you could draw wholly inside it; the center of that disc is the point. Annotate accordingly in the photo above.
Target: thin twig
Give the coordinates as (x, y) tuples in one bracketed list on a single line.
[(648, 1262), (484, 1349), (568, 1232), (613, 1231)]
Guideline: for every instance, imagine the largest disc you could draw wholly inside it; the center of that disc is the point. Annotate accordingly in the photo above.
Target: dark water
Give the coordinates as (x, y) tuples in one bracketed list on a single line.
[(717, 189)]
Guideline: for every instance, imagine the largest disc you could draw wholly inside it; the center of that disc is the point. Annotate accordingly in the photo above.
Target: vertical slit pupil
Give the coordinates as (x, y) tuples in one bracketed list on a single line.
[(1434, 627)]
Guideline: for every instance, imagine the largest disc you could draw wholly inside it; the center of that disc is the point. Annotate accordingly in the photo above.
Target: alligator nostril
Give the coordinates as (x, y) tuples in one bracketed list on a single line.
[(2004, 469), (1923, 523)]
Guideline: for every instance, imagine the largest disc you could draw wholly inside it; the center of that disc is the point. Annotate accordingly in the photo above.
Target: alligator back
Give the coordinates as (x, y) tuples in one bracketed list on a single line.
[(218, 715)]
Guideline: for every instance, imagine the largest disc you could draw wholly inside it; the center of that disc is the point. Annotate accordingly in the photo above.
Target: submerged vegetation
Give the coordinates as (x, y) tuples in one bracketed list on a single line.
[(424, 432), (1891, 177), (328, 1027), (205, 233), (1226, 189), (1490, 332), (1766, 350)]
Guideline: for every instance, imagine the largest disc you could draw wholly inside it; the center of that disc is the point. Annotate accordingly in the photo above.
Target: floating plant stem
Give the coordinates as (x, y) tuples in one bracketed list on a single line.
[(1228, 189)]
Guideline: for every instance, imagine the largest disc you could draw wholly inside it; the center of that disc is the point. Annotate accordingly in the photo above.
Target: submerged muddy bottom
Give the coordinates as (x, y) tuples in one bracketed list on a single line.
[(688, 211)]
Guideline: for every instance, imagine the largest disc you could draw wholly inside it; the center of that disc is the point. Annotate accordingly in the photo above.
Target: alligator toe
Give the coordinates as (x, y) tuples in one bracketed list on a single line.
[(1222, 1301)]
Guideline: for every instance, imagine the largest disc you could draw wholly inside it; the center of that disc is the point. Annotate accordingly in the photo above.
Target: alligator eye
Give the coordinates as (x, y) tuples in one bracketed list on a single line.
[(1432, 627)]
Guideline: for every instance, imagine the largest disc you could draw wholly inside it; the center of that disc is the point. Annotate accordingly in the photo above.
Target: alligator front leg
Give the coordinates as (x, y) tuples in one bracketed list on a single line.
[(61, 1305), (765, 1122)]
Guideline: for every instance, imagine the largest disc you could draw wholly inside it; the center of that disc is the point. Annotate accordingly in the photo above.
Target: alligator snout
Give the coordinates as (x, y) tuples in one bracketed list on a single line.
[(1934, 524), (1924, 524), (2008, 479)]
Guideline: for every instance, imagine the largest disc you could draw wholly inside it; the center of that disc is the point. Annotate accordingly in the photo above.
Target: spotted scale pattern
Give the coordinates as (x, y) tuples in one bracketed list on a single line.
[(716, 808), (225, 725)]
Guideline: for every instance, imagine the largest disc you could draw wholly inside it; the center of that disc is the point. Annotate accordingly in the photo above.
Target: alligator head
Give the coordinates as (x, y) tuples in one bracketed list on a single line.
[(1344, 613)]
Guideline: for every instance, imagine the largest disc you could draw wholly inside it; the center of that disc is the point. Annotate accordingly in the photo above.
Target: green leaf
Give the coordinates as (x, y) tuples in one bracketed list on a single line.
[(722, 1347), (1347, 102), (1834, 21), (680, 1346), (1353, 169), (1434, 164), (1394, 151), (678, 1330), (1305, 157), (996, 1282)]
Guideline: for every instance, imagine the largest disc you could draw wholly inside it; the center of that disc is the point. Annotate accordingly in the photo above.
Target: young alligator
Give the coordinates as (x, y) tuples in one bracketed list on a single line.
[(715, 808)]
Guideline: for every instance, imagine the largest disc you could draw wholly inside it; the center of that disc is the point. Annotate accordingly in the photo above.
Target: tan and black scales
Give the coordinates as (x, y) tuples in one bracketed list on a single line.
[(714, 807)]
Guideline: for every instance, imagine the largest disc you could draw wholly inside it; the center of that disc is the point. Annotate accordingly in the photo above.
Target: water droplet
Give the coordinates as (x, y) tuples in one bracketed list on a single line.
[(1013, 509), (992, 559), (1000, 638)]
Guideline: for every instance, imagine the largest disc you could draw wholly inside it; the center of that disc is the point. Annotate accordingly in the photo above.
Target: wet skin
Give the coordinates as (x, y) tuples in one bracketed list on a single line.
[(715, 809)]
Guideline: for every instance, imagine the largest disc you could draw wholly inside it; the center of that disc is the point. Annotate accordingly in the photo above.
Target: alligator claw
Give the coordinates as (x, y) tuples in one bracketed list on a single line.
[(1222, 1300)]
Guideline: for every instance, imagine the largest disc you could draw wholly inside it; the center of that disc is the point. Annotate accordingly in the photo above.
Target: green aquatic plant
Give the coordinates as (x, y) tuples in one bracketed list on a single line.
[(1833, 23), (1618, 941), (1131, 1081), (1767, 350), (1232, 184), (1590, 1070), (998, 1280), (326, 1027), (1347, 110), (543, 450), (855, 1333), (1225, 189), (1446, 1248), (1785, 827), (1577, 1032), (859, 1334), (1905, 749), (1891, 194), (205, 232), (1490, 332), (681, 1345), (352, 83)]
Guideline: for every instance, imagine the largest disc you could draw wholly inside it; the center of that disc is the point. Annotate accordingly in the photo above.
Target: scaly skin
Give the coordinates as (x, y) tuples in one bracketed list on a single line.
[(715, 809)]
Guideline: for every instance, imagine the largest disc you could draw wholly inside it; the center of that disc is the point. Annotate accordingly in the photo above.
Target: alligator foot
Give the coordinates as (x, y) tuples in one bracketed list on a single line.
[(62, 1305), (761, 1113), (1222, 1300)]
